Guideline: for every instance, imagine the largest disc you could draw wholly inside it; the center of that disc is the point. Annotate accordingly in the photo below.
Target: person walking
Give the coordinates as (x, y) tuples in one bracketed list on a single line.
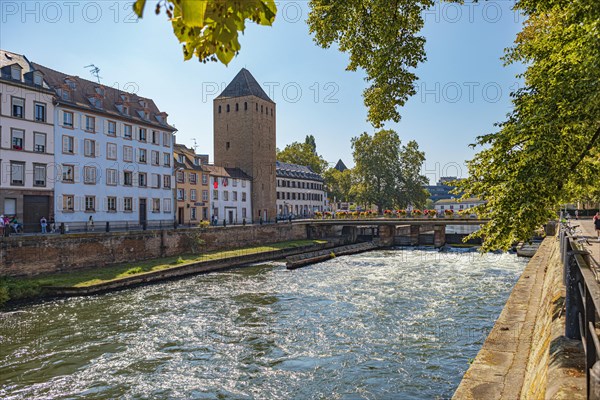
[(91, 224), (52, 225), (43, 223), (2, 227), (597, 225)]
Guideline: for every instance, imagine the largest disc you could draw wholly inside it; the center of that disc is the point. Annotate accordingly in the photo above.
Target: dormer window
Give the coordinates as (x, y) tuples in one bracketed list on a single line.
[(143, 103), (181, 158), (120, 108), (99, 90), (37, 78), (159, 118), (124, 97), (65, 94), (15, 72), (126, 110), (71, 84), (96, 102)]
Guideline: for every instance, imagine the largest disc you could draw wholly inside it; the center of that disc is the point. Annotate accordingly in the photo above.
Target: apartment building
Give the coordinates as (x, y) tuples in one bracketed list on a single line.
[(26, 141), (231, 197), (113, 154), (300, 191), (192, 185)]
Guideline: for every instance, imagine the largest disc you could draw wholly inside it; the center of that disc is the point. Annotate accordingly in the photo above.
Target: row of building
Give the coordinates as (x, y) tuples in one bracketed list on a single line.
[(72, 148)]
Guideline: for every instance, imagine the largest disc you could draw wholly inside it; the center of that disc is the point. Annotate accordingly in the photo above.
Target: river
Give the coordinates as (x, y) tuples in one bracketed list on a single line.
[(392, 324)]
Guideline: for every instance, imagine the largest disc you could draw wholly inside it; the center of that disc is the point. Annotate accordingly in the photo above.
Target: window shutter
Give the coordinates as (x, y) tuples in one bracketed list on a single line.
[(65, 144), (75, 142), (76, 174), (137, 155), (134, 202), (61, 117), (79, 203), (120, 204), (59, 203), (76, 120), (97, 149), (104, 204)]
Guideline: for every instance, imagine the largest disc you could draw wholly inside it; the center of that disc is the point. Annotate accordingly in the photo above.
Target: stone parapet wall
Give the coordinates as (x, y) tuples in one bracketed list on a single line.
[(32, 255)]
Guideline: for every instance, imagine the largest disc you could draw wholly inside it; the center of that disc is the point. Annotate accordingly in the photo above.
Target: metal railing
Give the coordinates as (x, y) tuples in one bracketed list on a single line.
[(582, 303)]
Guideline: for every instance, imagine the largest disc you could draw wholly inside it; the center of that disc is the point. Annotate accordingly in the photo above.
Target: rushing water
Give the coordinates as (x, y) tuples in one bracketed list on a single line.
[(395, 324)]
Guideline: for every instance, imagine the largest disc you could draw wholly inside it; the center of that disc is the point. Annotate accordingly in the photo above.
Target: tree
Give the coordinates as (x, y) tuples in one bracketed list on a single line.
[(339, 184), (546, 151), (303, 154), (380, 38), (410, 181)]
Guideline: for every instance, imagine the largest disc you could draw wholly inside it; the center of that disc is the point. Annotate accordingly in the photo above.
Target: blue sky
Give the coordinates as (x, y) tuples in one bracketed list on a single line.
[(463, 86)]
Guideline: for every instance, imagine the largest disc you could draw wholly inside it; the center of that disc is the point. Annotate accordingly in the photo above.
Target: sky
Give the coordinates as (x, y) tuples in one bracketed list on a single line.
[(463, 87)]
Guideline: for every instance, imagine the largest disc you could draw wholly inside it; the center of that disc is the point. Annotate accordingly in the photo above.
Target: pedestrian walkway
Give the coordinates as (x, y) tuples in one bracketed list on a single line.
[(587, 228)]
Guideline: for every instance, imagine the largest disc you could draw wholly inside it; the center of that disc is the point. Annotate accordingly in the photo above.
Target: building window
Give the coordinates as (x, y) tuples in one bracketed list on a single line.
[(128, 153), (127, 204), (193, 178), (243, 196), (39, 175), (166, 139), (127, 178), (219, 109), (235, 196), (243, 183), (89, 148), (68, 173), (227, 107), (17, 173), (226, 195), (111, 177), (40, 112), (142, 135), (142, 180), (205, 195), (180, 177), (90, 124), (155, 158), (111, 151), (235, 182), (244, 212), (180, 194), (227, 145), (167, 205), (68, 144), (112, 128), (278, 195), (155, 205), (245, 105), (18, 107), (89, 175), (155, 137), (193, 195), (18, 139), (215, 194), (90, 203), (67, 119), (167, 159), (111, 204), (68, 203), (204, 179), (156, 181), (193, 213), (237, 107), (167, 181), (39, 142), (127, 131)]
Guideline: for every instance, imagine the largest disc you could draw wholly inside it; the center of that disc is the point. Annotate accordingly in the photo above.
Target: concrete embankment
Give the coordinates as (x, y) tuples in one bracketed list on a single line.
[(184, 270), (301, 260), (526, 355)]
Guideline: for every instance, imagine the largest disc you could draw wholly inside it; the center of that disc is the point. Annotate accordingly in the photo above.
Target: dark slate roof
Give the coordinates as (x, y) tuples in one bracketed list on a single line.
[(85, 89), (340, 166), (8, 59), (295, 171), (234, 173), (244, 84)]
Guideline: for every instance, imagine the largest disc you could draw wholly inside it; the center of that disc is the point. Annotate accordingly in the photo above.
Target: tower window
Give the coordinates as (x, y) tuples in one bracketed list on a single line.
[(227, 145), (261, 109), (219, 109), (256, 106), (227, 107), (237, 107), (271, 112), (245, 105)]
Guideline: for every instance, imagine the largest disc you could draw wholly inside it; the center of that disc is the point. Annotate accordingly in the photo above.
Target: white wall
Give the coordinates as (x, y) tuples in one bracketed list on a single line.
[(222, 207)]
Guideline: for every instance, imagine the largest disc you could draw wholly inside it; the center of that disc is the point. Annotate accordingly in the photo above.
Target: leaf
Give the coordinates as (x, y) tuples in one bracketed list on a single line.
[(193, 12), (138, 8)]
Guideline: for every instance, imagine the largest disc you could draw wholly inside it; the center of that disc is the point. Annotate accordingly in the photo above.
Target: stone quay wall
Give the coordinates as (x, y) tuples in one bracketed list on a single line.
[(33, 255)]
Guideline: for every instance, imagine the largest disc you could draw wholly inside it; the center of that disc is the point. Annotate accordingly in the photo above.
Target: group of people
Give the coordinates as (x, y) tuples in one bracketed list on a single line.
[(9, 225)]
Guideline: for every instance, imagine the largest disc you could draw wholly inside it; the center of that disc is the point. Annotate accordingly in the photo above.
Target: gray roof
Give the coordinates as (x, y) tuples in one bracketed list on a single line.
[(8, 59), (286, 170), (244, 84), (340, 166)]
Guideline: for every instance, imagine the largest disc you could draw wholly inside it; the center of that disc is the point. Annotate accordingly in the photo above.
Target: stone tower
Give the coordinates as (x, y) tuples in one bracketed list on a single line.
[(244, 137)]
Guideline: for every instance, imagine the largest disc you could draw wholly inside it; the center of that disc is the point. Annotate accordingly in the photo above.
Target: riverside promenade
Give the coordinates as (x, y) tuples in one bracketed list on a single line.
[(527, 355)]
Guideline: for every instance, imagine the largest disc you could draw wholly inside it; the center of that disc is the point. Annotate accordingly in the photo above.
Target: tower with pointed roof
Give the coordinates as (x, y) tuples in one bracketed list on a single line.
[(244, 137)]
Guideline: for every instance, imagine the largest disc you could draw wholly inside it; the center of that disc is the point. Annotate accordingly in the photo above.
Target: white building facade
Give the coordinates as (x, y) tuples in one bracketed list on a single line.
[(300, 191), (26, 142), (456, 205), (230, 198), (113, 155)]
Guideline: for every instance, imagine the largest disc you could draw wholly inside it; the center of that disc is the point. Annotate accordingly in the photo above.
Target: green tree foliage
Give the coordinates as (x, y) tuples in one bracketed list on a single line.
[(209, 29), (387, 174), (339, 184), (380, 37), (303, 154), (546, 151)]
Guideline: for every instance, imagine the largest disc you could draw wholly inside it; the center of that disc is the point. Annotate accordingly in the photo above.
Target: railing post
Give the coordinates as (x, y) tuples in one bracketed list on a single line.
[(572, 299), (107, 226)]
